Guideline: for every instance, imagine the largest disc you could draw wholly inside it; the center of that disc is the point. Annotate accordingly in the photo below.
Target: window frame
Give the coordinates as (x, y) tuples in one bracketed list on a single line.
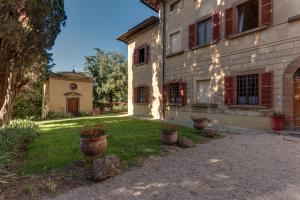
[(247, 89), (201, 20), (178, 3), (177, 84), (236, 11), (146, 48), (171, 52), (141, 97)]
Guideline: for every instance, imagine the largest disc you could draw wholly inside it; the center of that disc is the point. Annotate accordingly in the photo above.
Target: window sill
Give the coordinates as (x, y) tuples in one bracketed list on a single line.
[(205, 45), (205, 105), (141, 104), (247, 32), (174, 54), (248, 107), (140, 64), (294, 18), (174, 104)]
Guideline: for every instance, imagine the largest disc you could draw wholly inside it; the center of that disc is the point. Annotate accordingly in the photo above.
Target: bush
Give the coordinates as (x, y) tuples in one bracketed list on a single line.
[(58, 115), (12, 136)]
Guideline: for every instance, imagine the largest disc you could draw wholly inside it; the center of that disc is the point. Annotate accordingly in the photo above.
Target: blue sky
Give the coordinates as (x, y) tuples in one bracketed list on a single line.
[(95, 24)]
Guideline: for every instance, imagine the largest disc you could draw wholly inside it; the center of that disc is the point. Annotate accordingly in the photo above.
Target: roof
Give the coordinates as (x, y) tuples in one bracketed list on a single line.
[(153, 4), (76, 76), (138, 28)]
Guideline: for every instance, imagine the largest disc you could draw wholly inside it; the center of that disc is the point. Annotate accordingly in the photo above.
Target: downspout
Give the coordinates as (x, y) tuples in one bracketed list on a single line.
[(163, 54)]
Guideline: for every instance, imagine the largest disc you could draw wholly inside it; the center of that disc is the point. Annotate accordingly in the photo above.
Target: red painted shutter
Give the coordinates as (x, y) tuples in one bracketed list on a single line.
[(182, 93), (147, 95), (229, 22), (192, 36), (216, 35), (166, 94), (266, 12), (135, 57), (266, 89), (229, 87), (135, 95)]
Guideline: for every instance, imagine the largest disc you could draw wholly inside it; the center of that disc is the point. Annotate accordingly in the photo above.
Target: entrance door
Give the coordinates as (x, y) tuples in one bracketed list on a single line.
[(297, 102), (73, 106)]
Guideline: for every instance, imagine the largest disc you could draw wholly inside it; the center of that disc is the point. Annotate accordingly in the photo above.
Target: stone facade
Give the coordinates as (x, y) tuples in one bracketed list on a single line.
[(275, 48)]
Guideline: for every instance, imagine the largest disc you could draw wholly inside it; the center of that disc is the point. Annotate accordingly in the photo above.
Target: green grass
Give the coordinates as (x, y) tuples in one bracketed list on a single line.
[(129, 138)]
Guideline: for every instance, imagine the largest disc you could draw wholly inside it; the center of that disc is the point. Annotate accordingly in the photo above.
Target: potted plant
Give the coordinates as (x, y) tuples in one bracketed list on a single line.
[(169, 134), (93, 140), (277, 119), (199, 123)]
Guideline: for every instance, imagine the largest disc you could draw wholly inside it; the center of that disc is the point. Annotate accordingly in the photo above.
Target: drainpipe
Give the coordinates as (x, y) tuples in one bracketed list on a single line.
[(163, 52)]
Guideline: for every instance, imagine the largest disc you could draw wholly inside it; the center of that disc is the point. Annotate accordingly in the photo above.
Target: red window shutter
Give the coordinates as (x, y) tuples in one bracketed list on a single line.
[(266, 12), (229, 90), (192, 36), (135, 57), (229, 22), (147, 95), (266, 89), (135, 95), (147, 53), (216, 26), (165, 94), (182, 93)]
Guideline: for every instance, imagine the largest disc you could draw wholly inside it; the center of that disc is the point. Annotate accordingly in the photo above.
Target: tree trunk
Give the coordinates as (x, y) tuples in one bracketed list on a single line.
[(111, 101), (10, 97)]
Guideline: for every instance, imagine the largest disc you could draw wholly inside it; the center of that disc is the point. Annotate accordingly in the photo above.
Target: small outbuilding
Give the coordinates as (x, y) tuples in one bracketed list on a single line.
[(68, 92)]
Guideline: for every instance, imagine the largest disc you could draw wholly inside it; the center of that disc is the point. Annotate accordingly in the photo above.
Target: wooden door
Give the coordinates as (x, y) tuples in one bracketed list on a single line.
[(73, 106), (297, 102)]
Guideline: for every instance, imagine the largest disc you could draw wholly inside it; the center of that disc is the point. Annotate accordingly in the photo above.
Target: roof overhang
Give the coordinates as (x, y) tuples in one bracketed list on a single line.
[(138, 28), (153, 4)]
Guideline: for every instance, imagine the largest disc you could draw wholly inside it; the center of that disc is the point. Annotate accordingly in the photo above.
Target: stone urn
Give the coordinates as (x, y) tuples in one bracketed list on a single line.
[(93, 141), (199, 123)]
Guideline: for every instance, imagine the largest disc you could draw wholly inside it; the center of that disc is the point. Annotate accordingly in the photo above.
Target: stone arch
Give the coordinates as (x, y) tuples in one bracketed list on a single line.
[(288, 88)]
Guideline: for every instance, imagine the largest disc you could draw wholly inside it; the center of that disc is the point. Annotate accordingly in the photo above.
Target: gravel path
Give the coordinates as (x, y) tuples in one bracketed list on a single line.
[(254, 166)]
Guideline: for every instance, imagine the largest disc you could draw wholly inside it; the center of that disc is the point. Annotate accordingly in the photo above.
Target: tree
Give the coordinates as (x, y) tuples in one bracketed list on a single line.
[(109, 70), (28, 30)]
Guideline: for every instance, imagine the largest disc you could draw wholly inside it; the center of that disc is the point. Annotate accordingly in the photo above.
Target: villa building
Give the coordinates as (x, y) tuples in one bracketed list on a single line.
[(233, 61), (68, 92)]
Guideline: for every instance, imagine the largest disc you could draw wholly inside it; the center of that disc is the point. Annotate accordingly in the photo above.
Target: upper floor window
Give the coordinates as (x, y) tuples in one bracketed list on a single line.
[(204, 31), (141, 55), (248, 15), (174, 6), (175, 42)]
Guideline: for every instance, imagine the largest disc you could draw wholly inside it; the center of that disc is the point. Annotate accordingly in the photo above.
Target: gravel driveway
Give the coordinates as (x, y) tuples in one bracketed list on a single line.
[(255, 166)]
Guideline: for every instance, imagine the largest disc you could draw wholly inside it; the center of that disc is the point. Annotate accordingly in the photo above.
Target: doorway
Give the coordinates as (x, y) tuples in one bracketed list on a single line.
[(73, 106)]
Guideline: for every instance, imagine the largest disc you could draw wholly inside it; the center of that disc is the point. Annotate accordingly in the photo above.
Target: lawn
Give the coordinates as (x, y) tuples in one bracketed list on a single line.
[(129, 138)]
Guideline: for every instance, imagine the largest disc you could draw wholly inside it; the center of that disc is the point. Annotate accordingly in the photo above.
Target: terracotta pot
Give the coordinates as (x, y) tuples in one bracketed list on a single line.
[(169, 138), (93, 146), (199, 125), (277, 124)]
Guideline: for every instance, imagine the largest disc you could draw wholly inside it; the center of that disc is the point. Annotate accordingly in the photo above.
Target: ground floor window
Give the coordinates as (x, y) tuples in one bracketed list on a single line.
[(174, 93), (141, 95), (248, 89), (203, 92)]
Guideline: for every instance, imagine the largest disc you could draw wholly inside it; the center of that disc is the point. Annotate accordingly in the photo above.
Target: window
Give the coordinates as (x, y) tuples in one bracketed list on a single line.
[(142, 55), (174, 6), (203, 92), (248, 15), (174, 93), (141, 95), (248, 89), (175, 42), (204, 32)]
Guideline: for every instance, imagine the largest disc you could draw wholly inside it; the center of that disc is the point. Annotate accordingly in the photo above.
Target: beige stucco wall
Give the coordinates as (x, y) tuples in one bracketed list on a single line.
[(271, 49), (55, 99), (146, 75)]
